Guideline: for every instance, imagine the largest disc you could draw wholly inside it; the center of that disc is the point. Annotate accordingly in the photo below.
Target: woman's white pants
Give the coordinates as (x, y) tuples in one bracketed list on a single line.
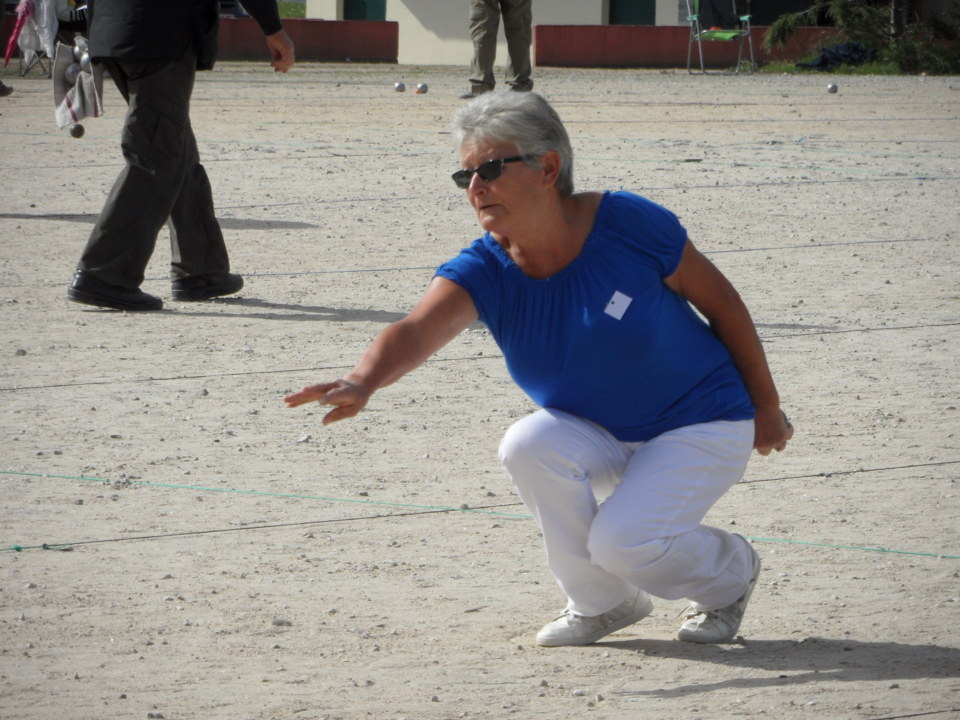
[(621, 516)]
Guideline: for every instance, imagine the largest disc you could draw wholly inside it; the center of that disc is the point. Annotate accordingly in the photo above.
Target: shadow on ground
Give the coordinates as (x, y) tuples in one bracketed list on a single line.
[(225, 223), (798, 662)]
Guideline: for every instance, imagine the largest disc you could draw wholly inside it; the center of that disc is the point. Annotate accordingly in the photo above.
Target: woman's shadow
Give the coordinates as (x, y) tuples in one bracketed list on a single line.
[(796, 662)]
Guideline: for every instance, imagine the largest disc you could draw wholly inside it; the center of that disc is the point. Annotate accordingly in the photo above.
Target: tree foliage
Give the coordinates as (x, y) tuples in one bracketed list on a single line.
[(891, 27)]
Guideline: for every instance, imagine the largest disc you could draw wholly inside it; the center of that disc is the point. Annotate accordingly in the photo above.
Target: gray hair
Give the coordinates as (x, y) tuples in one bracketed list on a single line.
[(523, 119)]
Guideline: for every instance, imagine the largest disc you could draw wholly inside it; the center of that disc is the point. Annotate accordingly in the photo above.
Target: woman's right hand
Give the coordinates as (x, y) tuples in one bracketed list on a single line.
[(444, 311), (348, 397)]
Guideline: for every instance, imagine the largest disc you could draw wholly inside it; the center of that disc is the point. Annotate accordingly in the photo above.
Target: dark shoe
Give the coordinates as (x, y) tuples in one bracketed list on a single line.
[(5, 90), (205, 287), (88, 290)]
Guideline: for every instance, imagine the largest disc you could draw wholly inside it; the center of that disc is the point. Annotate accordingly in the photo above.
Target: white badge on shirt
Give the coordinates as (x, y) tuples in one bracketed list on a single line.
[(618, 305)]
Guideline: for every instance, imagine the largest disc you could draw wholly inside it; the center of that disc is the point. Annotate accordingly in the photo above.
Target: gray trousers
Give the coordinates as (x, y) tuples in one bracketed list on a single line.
[(517, 26), (162, 182)]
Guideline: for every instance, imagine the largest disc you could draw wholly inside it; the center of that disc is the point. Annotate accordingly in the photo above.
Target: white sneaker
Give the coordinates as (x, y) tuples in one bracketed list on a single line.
[(720, 626), (573, 629)]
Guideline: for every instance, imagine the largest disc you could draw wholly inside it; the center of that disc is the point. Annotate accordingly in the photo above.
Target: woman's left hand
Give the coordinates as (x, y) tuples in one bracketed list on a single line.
[(772, 431)]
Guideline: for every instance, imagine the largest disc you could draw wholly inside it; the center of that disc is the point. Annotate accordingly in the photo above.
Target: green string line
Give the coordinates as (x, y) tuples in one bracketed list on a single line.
[(416, 510), (188, 533), (266, 493), (854, 547)]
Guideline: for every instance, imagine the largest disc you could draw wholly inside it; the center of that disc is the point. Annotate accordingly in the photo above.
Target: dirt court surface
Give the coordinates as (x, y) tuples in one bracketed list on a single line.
[(176, 544)]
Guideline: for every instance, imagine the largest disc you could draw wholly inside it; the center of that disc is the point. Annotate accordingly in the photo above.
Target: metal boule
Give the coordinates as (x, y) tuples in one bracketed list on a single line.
[(72, 73)]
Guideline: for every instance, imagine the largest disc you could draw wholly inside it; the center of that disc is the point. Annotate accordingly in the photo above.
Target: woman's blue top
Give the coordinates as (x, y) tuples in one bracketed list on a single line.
[(605, 338)]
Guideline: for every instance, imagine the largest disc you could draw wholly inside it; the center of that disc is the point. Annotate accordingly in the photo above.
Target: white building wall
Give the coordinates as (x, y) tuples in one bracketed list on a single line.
[(436, 32), (325, 9)]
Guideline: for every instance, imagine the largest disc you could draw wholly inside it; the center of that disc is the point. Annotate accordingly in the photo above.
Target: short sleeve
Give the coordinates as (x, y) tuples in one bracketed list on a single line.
[(476, 271), (649, 228)]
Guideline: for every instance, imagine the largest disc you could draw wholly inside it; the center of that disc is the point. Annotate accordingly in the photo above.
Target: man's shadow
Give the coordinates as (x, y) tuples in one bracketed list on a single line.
[(225, 223), (288, 311), (799, 662)]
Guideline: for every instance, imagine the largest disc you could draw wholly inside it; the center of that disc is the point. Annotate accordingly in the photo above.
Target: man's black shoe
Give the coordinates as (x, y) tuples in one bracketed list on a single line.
[(205, 287), (88, 290)]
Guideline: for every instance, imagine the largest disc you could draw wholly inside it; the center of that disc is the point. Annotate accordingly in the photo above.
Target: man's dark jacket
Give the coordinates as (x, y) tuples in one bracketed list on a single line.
[(157, 30)]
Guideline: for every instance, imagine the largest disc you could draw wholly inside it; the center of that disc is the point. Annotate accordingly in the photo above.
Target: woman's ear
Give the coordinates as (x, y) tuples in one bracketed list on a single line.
[(550, 166)]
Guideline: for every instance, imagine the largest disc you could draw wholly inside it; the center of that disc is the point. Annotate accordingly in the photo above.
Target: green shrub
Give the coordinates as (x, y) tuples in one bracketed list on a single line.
[(931, 47), (920, 50), (292, 9)]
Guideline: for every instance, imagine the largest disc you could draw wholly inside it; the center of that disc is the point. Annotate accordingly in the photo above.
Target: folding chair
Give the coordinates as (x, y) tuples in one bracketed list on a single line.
[(34, 34), (31, 59), (719, 21)]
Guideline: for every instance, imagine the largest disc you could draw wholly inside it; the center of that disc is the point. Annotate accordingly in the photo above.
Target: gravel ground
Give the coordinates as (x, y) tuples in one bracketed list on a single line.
[(176, 544)]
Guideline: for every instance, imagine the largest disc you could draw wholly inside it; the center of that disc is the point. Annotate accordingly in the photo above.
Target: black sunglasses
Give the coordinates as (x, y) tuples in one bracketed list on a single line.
[(488, 171)]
